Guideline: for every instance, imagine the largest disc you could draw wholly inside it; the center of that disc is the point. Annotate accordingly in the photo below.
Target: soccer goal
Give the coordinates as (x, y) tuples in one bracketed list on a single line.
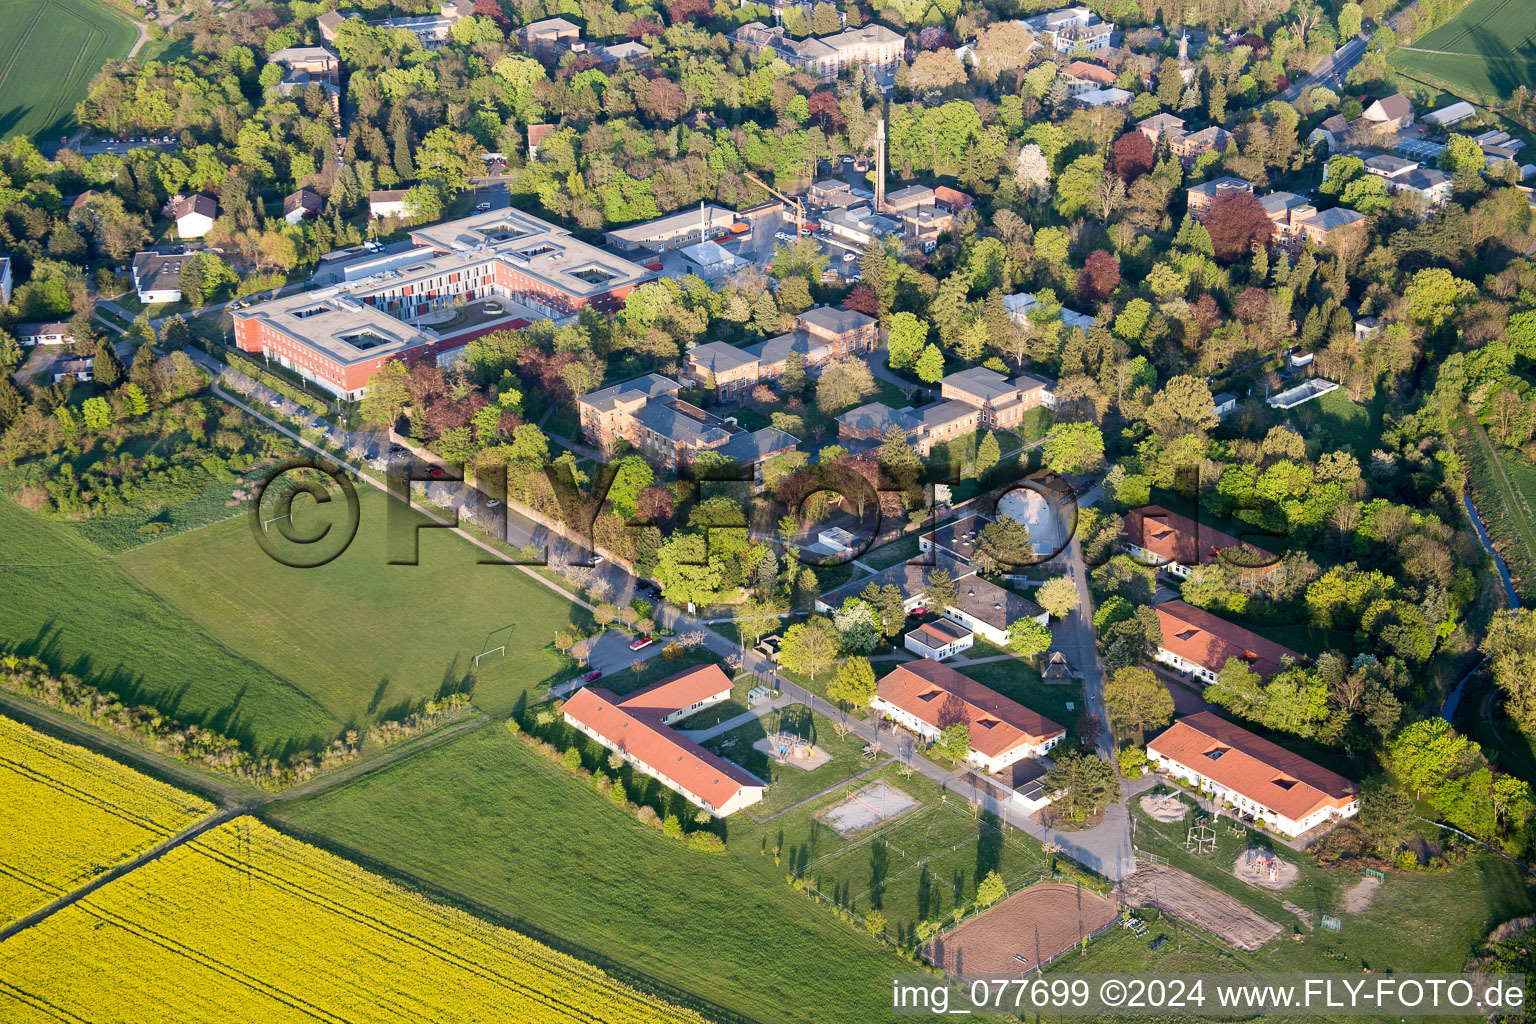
[(266, 524), (501, 649), (495, 643)]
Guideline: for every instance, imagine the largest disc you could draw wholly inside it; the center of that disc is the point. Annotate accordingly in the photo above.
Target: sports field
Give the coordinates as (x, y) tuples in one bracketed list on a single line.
[(206, 625), (48, 54), (1485, 52)]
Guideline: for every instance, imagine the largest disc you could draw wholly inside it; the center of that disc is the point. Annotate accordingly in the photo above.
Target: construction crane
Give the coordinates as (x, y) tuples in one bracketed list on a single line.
[(798, 204)]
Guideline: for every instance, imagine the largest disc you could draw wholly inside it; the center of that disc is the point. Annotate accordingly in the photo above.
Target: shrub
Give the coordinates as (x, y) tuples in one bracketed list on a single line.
[(705, 842), (573, 759), (617, 794), (672, 826), (648, 816), (672, 652)]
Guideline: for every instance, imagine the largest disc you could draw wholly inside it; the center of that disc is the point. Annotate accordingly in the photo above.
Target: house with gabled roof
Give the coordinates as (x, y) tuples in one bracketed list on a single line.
[(1200, 644), (1156, 536), (927, 697), (1262, 781), (638, 727)]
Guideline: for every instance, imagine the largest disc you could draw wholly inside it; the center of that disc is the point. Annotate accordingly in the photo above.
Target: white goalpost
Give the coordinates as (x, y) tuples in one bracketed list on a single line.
[(266, 524), (502, 650)]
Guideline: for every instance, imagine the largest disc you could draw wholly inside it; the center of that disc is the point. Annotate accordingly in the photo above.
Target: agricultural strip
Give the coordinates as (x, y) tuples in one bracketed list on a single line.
[(245, 923), (57, 46), (71, 814)]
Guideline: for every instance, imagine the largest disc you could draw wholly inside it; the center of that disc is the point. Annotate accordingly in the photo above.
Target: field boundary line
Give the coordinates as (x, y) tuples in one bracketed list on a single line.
[(1507, 490), (90, 38), (22, 42), (112, 874)]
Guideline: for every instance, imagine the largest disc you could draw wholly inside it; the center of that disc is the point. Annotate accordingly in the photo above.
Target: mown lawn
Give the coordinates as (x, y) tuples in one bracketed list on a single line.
[(487, 817), (361, 637), (788, 784), (1020, 681)]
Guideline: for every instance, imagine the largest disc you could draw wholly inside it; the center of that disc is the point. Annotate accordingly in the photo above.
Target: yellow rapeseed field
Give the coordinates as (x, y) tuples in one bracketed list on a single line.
[(244, 923), (69, 814)]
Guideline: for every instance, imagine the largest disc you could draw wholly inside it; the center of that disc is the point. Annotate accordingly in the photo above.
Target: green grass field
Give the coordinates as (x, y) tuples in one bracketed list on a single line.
[(360, 636), (1415, 922), (1486, 52), (489, 819), (48, 57)]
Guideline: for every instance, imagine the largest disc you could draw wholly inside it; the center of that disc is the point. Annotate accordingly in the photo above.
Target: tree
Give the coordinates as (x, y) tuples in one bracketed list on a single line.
[(530, 445), (990, 889), (1074, 448), (1386, 818), (1137, 700), (1083, 783), (1132, 156), (930, 365), (954, 741), (1005, 542), (1236, 222), (844, 383), (853, 684), (1183, 406), (809, 647), (387, 394), (988, 452), (1100, 275), (1435, 294), (908, 335), (96, 413), (1058, 596), (940, 591), (107, 369), (1510, 645), (1351, 15), (138, 402), (793, 380), (1028, 637)]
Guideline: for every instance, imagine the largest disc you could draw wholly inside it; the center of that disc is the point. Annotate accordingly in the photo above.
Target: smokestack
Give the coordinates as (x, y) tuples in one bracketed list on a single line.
[(703, 223), (880, 166)]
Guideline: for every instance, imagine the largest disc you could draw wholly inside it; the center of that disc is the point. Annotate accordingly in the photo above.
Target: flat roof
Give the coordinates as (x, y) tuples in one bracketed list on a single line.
[(337, 324), (674, 225)]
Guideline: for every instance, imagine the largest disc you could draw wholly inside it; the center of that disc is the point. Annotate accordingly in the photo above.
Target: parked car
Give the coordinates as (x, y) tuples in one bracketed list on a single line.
[(593, 676), (435, 471), (274, 403), (396, 449), (493, 503), (641, 643), (849, 257), (482, 207)]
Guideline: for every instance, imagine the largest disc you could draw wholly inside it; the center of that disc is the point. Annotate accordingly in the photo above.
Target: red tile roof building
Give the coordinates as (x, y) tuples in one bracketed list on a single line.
[(635, 727), (1177, 543), (1199, 643), (926, 696), (1262, 780)]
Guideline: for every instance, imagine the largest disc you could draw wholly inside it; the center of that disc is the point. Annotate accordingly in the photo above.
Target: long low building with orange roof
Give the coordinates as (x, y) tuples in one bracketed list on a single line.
[(1200, 644), (637, 727), (1177, 543), (1262, 780), (926, 697)]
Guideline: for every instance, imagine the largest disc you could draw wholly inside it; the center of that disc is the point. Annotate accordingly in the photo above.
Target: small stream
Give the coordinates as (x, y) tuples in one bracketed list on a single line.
[(1448, 711)]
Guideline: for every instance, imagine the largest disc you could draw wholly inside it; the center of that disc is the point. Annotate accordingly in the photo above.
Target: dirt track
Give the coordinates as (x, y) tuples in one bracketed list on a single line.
[(1203, 906), (1035, 923)]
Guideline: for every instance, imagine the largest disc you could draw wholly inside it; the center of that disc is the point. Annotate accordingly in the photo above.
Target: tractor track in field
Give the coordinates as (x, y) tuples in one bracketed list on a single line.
[(21, 44)]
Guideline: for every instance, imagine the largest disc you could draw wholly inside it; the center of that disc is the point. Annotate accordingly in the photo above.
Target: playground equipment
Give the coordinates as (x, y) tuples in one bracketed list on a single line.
[(1331, 923), (787, 745), (1373, 873), (1200, 839)]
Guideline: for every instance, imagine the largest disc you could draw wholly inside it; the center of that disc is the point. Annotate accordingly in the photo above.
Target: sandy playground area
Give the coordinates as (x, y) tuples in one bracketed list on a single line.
[(1265, 868), (1202, 905), (794, 751), (1022, 932), (1167, 807)]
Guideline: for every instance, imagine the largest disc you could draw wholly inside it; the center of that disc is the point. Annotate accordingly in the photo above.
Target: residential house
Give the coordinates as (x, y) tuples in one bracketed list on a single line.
[(5, 281), (1176, 544), (1201, 196), (1200, 644), (1366, 327), (1082, 76), (638, 55), (1335, 132), (1002, 402), (78, 370), (549, 38), (1071, 30), (194, 215), (668, 431), (638, 728), (1431, 185), (872, 46), (157, 276), (951, 199), (51, 333), (330, 24), (1278, 206), (939, 640), (432, 31), (386, 202), (1190, 147), (302, 205), (304, 66), (1325, 227), (1223, 404), (1390, 113), (984, 608), (536, 135), (1264, 781), (927, 697), (821, 334), (1158, 125), (1022, 308)]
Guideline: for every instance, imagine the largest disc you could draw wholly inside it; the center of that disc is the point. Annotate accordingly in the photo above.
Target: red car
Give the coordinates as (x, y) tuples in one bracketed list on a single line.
[(593, 676), (918, 611), (435, 471), (641, 644)]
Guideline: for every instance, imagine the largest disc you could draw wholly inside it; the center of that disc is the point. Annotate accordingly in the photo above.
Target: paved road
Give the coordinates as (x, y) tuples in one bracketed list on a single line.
[(1329, 72)]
